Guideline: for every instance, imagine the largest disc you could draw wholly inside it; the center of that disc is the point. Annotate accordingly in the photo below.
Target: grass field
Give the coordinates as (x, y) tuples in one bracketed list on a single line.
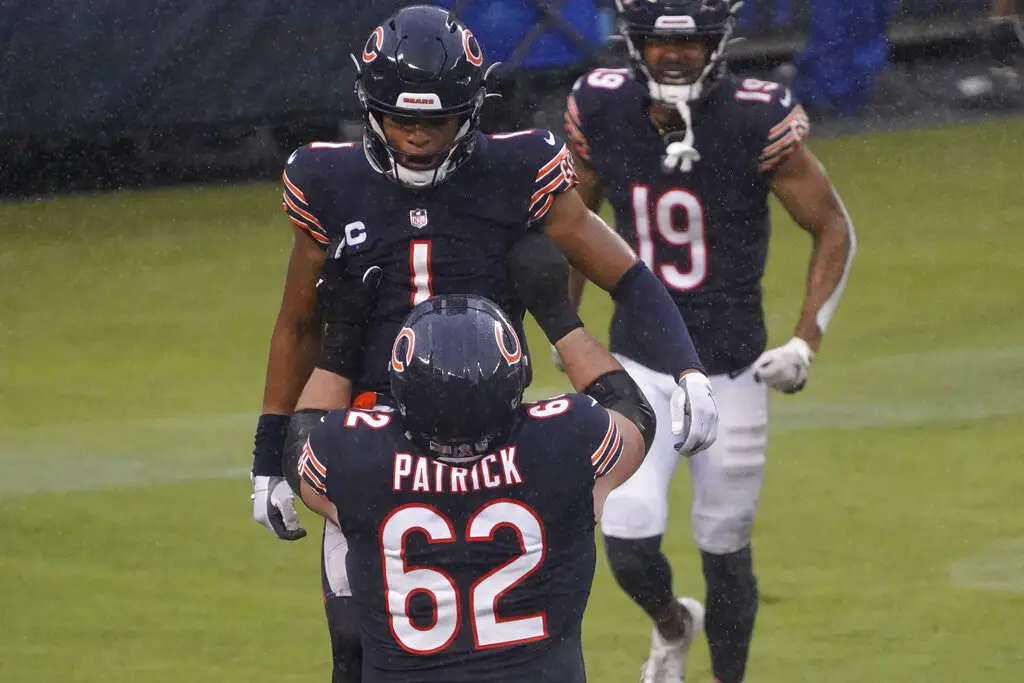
[(890, 544)]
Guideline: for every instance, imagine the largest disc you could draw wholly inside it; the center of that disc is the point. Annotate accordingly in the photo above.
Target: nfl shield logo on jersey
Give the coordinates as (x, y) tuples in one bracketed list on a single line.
[(418, 218)]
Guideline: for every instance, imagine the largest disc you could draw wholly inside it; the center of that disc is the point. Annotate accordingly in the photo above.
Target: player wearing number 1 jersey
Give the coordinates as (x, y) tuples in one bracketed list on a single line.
[(687, 155), (469, 516)]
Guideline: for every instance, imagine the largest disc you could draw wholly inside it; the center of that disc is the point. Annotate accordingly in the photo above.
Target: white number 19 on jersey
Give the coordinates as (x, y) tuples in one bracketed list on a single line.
[(678, 221)]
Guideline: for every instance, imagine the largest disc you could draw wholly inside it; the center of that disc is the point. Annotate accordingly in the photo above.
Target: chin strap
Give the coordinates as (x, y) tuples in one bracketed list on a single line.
[(681, 154)]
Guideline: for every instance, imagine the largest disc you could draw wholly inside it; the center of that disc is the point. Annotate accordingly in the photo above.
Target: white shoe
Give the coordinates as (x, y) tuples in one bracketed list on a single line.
[(667, 661)]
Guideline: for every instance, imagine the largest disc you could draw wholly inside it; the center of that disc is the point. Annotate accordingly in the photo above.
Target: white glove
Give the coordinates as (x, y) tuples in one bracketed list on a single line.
[(556, 359), (785, 368), (273, 506), (694, 413)]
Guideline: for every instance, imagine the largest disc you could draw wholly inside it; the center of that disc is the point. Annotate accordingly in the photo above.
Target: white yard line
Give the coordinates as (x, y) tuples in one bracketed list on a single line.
[(997, 567)]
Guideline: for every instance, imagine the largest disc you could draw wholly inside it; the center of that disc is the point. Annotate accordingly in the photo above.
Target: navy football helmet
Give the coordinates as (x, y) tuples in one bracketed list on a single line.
[(711, 21), (422, 62), (458, 373)]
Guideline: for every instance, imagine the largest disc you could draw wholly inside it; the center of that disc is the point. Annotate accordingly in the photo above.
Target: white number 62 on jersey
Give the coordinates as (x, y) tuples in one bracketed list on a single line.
[(401, 582)]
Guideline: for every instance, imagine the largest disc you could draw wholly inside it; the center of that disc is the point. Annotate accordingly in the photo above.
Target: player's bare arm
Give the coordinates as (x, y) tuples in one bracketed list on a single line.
[(590, 245), (595, 372), (347, 305), (295, 341), (804, 189), (325, 390), (539, 272), (318, 502), (801, 184), (294, 345), (592, 194)]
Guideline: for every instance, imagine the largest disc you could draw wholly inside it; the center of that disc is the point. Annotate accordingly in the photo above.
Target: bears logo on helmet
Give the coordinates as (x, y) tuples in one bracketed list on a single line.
[(459, 392)]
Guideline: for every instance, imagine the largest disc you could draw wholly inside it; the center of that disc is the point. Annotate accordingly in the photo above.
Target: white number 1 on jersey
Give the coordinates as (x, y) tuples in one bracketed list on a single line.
[(419, 266)]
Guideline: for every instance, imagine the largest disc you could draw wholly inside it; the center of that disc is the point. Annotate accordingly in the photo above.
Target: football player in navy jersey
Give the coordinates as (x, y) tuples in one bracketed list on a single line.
[(470, 516), (434, 206), (687, 154)]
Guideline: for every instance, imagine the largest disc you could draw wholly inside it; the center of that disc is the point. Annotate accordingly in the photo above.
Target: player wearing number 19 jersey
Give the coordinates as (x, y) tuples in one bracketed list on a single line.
[(470, 516), (687, 155)]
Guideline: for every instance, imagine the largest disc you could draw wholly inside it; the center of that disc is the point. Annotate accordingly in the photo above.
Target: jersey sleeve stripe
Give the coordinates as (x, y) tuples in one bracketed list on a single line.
[(780, 144), (304, 219), (574, 129), (553, 164), (561, 180), (612, 460), (312, 470), (607, 454), (775, 153), (310, 456), (783, 138), (293, 188), (298, 210), (796, 117), (609, 436), (543, 210), (309, 476), (312, 231), (546, 190), (576, 139)]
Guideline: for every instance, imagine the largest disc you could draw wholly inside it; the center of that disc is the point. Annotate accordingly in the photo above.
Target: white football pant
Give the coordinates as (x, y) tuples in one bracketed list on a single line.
[(726, 478), (334, 572)]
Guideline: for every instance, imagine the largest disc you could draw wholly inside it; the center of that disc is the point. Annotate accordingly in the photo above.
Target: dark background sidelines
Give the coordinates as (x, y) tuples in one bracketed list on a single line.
[(102, 93)]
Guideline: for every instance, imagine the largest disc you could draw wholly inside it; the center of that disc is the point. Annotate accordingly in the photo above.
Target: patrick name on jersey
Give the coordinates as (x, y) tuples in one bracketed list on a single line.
[(413, 473), (416, 473)]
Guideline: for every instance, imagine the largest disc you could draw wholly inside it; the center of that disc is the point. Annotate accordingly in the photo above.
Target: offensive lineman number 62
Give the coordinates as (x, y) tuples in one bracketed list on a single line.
[(401, 581)]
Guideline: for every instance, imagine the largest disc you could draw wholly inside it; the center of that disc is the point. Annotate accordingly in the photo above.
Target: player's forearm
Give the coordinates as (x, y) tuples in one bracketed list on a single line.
[(662, 337), (584, 358), (577, 281), (831, 260), (293, 353)]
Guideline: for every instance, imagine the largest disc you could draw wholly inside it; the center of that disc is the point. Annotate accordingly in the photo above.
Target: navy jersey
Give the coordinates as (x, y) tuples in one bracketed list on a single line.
[(450, 239), (464, 574), (703, 232)]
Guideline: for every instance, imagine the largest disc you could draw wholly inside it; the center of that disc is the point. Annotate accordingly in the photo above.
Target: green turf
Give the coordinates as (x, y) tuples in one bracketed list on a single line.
[(890, 543)]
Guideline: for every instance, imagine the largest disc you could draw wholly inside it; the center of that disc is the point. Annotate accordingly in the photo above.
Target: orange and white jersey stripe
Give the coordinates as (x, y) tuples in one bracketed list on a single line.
[(574, 130), (555, 177), (783, 138), (312, 471), (607, 454), (293, 200)]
